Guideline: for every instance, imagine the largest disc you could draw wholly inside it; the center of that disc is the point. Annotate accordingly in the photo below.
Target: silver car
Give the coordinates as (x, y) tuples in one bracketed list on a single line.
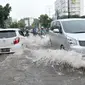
[(68, 34)]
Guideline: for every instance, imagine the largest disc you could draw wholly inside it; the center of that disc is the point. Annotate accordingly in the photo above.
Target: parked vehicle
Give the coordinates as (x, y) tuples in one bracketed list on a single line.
[(11, 40), (68, 34)]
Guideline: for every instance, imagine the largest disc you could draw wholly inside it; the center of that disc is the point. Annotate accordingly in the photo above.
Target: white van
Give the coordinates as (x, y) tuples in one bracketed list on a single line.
[(68, 34)]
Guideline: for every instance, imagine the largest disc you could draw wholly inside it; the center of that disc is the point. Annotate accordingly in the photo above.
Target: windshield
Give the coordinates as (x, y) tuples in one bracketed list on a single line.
[(74, 26), (7, 34)]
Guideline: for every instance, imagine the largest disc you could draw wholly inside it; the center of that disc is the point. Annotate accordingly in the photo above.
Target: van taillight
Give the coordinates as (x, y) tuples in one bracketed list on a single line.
[(17, 40)]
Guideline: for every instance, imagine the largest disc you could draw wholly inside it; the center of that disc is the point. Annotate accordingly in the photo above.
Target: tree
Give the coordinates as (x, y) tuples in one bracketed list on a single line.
[(18, 24), (8, 22), (21, 23), (35, 23), (4, 14), (45, 21), (14, 24)]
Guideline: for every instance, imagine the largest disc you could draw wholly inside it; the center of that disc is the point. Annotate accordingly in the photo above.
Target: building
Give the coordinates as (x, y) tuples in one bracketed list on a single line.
[(28, 21), (76, 7)]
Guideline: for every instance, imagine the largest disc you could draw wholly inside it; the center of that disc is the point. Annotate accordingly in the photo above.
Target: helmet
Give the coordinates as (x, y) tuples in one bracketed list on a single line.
[(42, 27)]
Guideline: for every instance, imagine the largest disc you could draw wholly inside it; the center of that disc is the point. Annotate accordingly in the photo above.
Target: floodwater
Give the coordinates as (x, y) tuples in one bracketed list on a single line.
[(39, 64)]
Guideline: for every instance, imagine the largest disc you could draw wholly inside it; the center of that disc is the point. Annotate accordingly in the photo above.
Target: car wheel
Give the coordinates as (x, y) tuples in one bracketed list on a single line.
[(62, 47)]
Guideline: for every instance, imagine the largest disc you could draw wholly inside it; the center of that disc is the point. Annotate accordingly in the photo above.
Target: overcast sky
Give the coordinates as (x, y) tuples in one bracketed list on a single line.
[(29, 8)]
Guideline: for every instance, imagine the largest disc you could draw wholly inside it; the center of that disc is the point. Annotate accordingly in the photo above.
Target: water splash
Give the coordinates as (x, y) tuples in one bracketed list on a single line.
[(59, 57), (37, 40), (50, 56)]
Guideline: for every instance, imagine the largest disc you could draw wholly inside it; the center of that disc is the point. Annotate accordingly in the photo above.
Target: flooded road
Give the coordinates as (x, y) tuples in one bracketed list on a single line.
[(39, 64)]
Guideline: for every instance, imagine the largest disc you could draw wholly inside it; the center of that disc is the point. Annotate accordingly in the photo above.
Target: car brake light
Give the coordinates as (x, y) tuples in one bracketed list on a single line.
[(17, 40)]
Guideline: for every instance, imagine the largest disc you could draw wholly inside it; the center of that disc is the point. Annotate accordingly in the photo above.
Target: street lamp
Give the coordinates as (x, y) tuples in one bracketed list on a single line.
[(68, 9)]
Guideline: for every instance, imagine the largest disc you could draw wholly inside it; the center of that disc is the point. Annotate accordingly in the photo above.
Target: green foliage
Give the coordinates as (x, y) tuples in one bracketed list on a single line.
[(14, 25), (4, 14), (8, 22), (21, 23), (45, 20), (35, 23), (17, 24)]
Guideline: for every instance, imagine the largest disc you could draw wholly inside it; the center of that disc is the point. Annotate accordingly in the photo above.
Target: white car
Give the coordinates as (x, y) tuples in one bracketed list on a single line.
[(11, 40), (68, 34)]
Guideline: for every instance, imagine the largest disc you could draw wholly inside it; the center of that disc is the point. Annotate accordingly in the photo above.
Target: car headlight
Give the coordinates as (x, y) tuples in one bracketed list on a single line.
[(71, 41)]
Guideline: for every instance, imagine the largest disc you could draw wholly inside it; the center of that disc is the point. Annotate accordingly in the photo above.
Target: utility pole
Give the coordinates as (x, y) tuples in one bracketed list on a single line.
[(68, 9)]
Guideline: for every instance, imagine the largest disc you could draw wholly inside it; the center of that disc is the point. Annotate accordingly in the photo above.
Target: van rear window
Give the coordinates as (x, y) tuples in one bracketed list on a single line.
[(7, 34)]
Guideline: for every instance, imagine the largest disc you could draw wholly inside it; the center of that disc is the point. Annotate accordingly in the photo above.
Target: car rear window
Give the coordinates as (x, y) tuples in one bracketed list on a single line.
[(7, 34)]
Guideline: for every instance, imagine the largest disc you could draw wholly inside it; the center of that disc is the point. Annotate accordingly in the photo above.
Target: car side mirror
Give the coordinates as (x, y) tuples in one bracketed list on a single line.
[(56, 30)]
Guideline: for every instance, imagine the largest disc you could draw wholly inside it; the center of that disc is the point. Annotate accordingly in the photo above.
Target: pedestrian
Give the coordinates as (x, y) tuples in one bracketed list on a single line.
[(27, 32), (34, 31), (43, 31)]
